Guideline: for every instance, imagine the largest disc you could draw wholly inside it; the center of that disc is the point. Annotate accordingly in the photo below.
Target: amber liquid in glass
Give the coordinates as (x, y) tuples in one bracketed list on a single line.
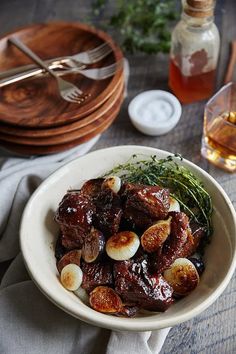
[(191, 88), (220, 135)]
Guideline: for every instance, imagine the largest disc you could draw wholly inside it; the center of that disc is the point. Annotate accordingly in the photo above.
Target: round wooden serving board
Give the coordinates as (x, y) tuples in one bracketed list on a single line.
[(51, 149), (6, 129), (45, 150), (36, 102), (70, 136)]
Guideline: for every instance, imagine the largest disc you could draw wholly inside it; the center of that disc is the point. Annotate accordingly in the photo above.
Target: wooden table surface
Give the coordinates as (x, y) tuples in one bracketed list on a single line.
[(214, 331)]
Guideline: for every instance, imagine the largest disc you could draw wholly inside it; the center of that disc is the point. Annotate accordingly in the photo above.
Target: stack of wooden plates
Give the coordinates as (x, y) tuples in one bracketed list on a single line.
[(34, 119)]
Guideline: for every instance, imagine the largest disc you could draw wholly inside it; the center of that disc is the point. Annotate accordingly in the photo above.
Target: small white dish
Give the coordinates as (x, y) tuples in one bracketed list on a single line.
[(39, 231), (154, 112)]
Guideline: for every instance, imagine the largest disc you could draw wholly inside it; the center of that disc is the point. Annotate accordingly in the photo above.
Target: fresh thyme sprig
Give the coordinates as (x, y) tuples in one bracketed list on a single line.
[(184, 186)]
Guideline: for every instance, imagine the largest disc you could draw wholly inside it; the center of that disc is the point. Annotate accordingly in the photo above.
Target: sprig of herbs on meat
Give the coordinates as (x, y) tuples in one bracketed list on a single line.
[(186, 188)]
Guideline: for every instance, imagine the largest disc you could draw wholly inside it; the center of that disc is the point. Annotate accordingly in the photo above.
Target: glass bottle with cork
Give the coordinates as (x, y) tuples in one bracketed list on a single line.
[(194, 52)]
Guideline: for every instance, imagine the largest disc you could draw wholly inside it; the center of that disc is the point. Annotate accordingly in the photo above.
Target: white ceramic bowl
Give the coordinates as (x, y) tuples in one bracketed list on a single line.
[(39, 231)]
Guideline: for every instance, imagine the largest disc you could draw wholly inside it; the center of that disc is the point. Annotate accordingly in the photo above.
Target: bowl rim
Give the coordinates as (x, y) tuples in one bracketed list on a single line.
[(112, 322)]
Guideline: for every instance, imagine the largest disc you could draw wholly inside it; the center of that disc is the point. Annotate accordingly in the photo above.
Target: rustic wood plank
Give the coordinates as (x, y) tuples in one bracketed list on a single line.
[(228, 33)]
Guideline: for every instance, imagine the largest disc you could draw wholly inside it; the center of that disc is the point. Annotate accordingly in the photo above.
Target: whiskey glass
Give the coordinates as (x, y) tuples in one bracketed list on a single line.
[(219, 131)]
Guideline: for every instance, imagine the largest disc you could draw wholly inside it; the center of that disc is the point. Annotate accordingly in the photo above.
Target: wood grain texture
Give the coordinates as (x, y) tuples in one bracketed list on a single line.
[(6, 129), (37, 102), (232, 64), (73, 136), (213, 331), (33, 149)]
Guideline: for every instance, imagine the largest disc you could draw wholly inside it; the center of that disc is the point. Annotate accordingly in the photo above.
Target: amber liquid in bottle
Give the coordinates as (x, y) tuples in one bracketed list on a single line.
[(190, 89)]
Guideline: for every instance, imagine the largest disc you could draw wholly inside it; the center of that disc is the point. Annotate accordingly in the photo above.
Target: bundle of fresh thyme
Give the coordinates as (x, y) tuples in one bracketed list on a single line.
[(186, 188), (143, 25)]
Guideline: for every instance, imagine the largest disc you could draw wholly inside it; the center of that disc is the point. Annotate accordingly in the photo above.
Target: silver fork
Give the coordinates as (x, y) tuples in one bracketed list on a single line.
[(68, 91), (96, 73), (90, 56)]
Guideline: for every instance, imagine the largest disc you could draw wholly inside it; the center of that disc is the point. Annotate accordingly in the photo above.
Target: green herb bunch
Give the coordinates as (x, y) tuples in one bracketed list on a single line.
[(143, 24), (186, 188)]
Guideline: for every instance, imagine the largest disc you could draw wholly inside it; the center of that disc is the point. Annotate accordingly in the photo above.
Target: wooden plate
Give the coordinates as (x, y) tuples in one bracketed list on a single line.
[(64, 129), (45, 150), (36, 102), (70, 136)]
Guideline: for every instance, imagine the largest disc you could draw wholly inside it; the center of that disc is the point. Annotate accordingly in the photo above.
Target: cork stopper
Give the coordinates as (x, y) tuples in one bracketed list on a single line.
[(199, 8), (200, 4)]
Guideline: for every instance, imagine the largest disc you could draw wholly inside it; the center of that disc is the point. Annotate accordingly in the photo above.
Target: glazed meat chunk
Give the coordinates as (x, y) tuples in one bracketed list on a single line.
[(152, 200), (72, 237), (108, 212), (137, 287), (136, 219), (74, 216), (96, 274), (75, 210), (143, 205)]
